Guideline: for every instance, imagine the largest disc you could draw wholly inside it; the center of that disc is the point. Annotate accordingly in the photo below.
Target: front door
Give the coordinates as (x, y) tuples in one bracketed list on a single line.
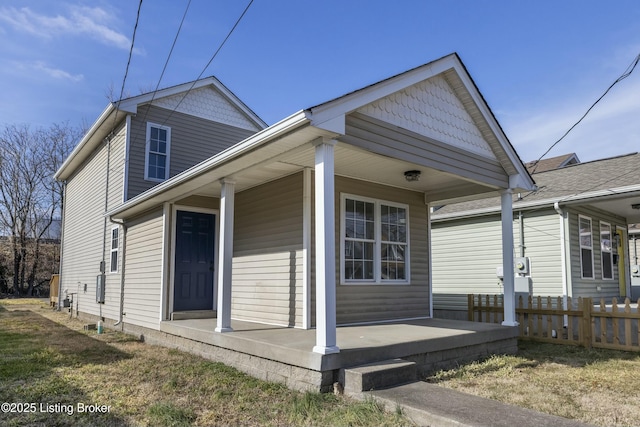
[(193, 275)]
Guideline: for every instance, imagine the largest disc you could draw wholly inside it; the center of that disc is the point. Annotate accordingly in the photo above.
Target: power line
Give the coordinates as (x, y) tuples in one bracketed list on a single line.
[(166, 63), (126, 71), (624, 75), (210, 60)]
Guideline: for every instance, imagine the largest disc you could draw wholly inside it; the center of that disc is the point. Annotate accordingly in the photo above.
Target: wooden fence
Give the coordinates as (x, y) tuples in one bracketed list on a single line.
[(570, 321)]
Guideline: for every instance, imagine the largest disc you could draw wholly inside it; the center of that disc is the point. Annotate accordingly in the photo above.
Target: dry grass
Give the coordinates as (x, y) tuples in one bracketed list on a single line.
[(593, 386), (48, 358)]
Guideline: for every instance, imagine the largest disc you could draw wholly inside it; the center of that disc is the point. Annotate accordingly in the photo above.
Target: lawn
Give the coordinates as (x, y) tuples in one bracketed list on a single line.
[(52, 372), (593, 386)]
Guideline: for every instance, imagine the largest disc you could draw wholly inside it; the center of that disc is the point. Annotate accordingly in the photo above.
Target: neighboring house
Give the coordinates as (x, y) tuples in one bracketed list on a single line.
[(319, 220), (572, 231)]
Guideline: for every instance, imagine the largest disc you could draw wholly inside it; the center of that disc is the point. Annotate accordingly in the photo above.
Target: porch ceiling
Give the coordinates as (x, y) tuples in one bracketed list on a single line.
[(357, 163)]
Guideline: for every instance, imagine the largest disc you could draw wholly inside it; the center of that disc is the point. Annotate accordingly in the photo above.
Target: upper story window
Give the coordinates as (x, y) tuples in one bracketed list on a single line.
[(375, 241), (607, 255), (586, 247), (157, 152)]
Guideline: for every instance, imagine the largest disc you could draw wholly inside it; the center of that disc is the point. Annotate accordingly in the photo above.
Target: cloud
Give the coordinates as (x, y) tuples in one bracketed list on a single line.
[(57, 73), (81, 20), (611, 127)]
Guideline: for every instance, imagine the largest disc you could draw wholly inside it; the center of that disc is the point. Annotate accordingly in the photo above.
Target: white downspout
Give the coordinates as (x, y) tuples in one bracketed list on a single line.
[(563, 259)]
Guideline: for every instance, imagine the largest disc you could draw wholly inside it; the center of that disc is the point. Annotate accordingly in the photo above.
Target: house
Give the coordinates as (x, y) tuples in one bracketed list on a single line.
[(185, 218), (570, 235)]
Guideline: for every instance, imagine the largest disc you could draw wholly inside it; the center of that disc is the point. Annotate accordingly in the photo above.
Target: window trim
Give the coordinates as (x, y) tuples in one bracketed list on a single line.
[(147, 151), (377, 256), (610, 252), (115, 250), (590, 248)]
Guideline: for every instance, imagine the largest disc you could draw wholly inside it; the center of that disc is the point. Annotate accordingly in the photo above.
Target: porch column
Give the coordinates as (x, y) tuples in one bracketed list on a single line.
[(325, 249), (225, 255), (507, 258)]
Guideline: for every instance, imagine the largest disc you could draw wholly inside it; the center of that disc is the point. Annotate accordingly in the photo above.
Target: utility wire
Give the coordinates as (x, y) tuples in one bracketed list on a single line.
[(624, 75), (126, 71), (210, 61), (166, 63)]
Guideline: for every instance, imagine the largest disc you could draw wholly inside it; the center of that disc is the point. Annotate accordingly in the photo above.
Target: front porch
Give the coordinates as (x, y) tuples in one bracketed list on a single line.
[(286, 354)]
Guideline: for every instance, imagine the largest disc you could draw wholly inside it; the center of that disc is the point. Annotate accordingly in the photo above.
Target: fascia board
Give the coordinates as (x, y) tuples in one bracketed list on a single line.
[(283, 127), (352, 101), (130, 105), (85, 143), (600, 195)]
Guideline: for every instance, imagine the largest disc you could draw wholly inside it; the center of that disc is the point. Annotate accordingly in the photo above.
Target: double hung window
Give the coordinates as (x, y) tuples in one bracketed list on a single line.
[(115, 240), (157, 152), (586, 247), (606, 251), (374, 243)]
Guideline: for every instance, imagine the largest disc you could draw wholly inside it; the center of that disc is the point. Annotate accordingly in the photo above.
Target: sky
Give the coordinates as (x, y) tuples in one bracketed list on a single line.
[(539, 64)]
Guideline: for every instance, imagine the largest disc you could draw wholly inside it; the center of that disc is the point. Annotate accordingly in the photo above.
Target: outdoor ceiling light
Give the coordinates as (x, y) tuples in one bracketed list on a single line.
[(412, 175)]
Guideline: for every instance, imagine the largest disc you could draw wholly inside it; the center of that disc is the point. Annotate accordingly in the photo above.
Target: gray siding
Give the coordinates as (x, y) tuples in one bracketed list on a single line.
[(85, 238), (267, 261), (193, 140), (596, 287), (366, 303), (389, 140), (466, 253), (143, 271)]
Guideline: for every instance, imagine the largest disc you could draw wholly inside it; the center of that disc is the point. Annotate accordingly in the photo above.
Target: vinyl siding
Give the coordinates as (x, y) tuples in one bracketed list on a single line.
[(589, 287), (467, 252), (267, 259), (85, 236), (193, 140), (143, 271), (366, 303), (386, 139)]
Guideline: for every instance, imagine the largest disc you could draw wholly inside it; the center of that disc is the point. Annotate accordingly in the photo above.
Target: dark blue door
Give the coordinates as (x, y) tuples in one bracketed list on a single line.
[(193, 287)]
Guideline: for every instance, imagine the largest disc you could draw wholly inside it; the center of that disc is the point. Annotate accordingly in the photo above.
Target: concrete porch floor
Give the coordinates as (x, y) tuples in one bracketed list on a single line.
[(412, 340)]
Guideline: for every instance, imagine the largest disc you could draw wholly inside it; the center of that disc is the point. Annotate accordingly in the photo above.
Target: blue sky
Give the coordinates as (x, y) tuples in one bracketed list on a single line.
[(539, 64)]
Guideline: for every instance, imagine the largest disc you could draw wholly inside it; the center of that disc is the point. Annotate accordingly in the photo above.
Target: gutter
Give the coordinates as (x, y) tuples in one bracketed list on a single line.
[(64, 198), (253, 142)]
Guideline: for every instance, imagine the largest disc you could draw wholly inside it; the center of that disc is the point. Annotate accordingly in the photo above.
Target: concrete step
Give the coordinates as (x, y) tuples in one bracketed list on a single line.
[(378, 375)]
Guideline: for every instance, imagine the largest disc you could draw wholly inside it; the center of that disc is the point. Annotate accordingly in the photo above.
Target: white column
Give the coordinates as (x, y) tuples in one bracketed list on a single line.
[(508, 272), (325, 250), (225, 255)]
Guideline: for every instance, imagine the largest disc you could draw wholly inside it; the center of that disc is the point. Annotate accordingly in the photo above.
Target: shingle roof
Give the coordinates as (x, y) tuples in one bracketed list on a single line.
[(561, 184), (552, 163)]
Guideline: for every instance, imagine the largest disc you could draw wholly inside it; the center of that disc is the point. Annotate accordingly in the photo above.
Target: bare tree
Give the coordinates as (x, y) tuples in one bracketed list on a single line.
[(30, 200)]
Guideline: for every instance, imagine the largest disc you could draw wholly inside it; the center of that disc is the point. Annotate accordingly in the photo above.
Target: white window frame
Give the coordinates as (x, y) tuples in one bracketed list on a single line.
[(377, 250), (148, 151), (590, 248), (603, 250), (114, 250)]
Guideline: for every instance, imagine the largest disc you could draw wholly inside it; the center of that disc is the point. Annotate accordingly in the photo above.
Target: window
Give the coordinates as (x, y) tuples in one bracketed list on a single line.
[(113, 266), (157, 152), (605, 245), (374, 244), (586, 247)]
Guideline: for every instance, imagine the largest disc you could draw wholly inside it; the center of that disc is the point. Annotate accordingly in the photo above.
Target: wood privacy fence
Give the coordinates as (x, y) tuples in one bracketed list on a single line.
[(572, 322)]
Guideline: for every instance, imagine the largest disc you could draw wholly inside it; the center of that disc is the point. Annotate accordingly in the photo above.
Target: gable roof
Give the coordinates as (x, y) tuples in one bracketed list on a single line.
[(603, 179), (544, 165), (330, 115), (287, 146), (116, 111)]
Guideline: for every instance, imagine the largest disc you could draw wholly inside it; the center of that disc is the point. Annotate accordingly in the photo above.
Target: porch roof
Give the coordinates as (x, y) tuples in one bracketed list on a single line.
[(377, 149)]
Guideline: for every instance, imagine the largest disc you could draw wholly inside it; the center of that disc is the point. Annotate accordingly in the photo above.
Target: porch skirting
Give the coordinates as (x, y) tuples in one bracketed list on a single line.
[(285, 355)]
